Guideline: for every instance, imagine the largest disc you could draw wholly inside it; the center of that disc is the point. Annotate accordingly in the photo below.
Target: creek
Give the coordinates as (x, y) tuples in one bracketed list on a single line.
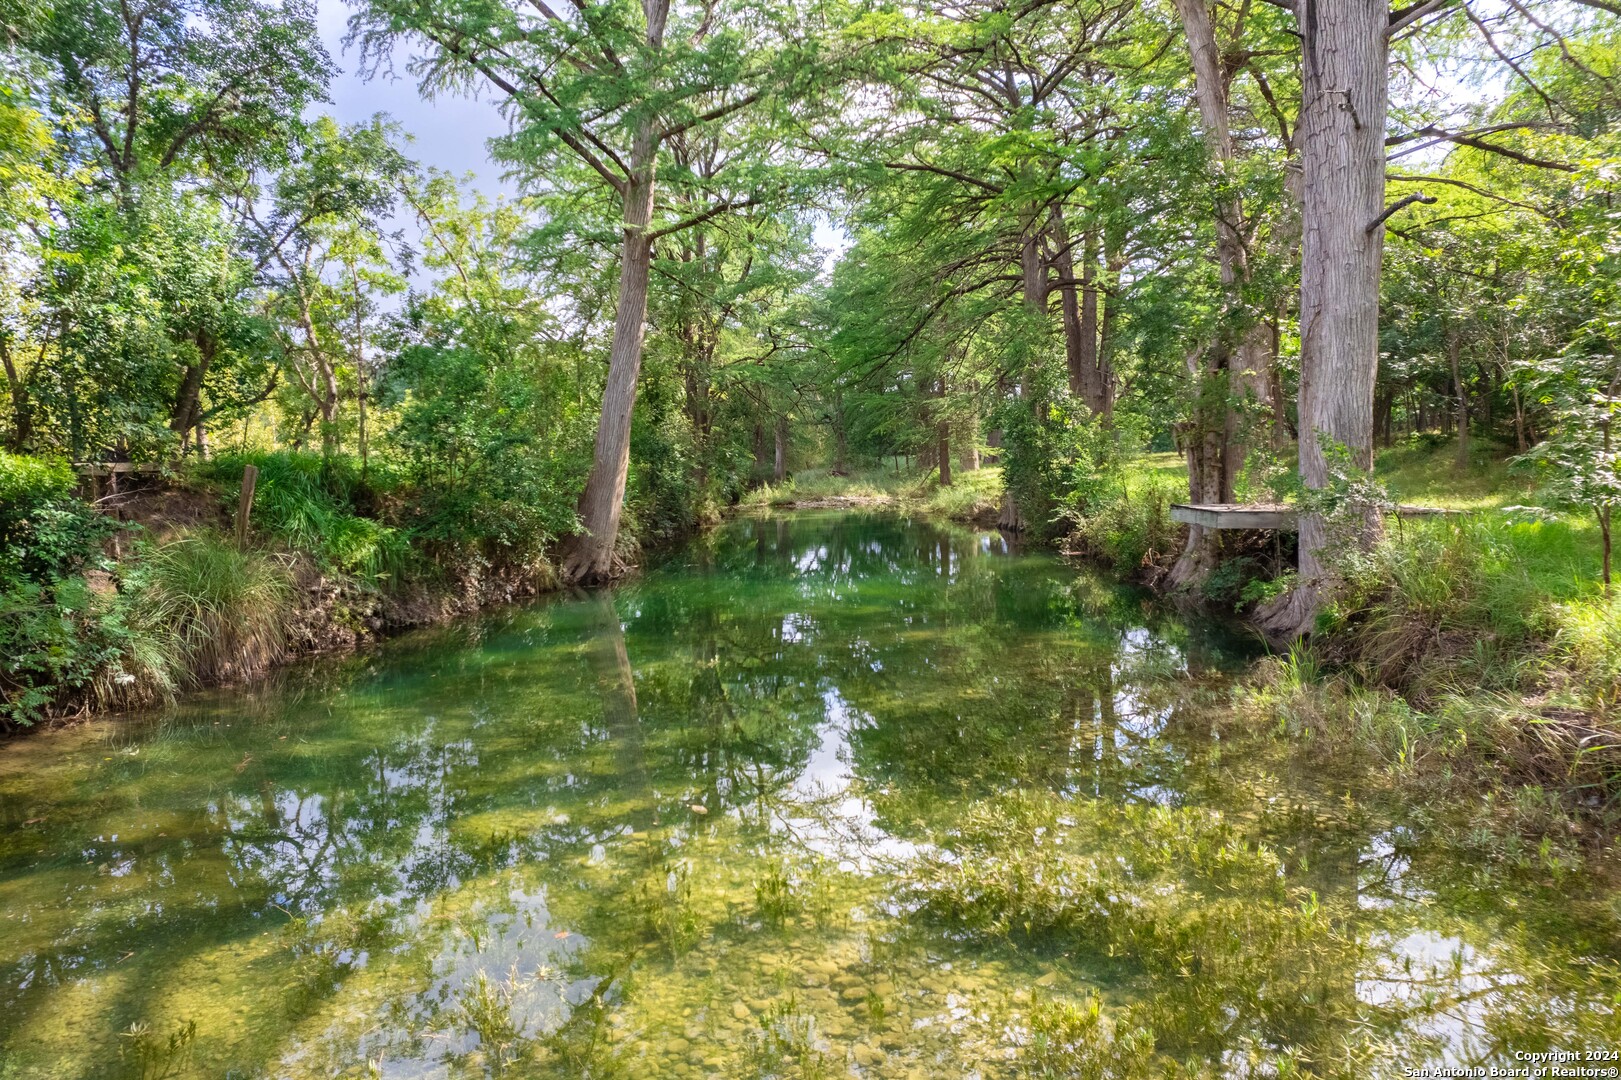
[(818, 795)]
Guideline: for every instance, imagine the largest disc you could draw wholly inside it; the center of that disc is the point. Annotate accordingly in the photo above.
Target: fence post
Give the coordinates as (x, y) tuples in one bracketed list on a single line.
[(250, 480)]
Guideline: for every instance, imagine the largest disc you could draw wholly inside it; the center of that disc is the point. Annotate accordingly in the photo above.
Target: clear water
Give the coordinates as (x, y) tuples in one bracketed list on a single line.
[(821, 796)]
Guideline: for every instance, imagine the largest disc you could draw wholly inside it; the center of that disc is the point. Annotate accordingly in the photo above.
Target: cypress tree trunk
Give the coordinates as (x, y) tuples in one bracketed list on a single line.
[(590, 559), (1080, 308), (1011, 518), (779, 472), (1454, 347), (1342, 130), (1233, 367)]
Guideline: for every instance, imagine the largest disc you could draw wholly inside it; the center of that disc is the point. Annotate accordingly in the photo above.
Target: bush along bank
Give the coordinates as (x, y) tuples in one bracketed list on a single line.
[(125, 603)]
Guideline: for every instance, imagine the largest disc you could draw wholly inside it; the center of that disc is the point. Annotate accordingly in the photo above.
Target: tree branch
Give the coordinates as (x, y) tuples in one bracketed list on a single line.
[(1402, 18), (964, 178), (1400, 204), (698, 219), (1398, 177)]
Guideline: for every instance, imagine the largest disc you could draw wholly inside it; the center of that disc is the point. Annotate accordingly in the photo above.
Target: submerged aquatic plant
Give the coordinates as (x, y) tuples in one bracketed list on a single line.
[(154, 1057), (485, 1008), (785, 1044), (664, 909), (1075, 1040)]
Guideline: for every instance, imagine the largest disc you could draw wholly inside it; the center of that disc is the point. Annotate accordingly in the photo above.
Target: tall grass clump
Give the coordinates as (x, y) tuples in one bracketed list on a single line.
[(219, 613), (1462, 604), (1587, 643)]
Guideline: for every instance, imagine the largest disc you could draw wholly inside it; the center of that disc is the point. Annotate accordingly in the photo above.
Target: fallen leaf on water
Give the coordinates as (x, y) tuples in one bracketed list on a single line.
[(560, 935), (697, 809)]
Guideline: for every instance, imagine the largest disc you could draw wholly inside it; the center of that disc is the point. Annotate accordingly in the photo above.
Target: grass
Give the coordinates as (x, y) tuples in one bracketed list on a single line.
[(972, 495), (314, 505), (217, 612), (1425, 472)]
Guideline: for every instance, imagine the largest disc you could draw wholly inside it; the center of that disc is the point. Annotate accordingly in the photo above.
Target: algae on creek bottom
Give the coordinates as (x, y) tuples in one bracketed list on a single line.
[(821, 796)]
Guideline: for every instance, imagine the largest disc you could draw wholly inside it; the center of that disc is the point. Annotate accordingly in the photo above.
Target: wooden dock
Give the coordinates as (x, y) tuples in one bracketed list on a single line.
[(1279, 516)]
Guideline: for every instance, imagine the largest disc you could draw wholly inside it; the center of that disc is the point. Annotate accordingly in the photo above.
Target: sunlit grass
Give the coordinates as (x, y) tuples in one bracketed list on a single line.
[(971, 494)]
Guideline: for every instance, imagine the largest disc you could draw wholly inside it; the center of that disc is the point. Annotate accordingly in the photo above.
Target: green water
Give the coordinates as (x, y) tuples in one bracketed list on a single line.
[(820, 796)]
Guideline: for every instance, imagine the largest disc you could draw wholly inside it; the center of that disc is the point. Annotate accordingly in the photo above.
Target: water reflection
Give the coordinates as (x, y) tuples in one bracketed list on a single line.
[(757, 814)]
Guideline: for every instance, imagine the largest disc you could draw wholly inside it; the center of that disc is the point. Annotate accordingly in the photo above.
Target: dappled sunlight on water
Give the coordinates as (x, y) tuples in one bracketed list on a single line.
[(819, 796)]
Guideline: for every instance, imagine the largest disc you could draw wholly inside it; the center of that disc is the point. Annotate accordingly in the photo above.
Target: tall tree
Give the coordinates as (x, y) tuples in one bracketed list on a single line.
[(610, 87), (1231, 373)]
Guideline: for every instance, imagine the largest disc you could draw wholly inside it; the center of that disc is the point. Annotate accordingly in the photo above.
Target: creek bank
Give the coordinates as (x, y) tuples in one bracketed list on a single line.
[(160, 600)]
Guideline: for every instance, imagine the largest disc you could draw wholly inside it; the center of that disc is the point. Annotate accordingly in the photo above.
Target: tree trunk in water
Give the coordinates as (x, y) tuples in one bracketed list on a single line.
[(779, 470), (1342, 132), (609, 663), (1233, 366), (590, 559)]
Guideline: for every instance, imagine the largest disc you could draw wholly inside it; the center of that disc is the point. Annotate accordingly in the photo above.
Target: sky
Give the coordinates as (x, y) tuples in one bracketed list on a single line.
[(450, 132)]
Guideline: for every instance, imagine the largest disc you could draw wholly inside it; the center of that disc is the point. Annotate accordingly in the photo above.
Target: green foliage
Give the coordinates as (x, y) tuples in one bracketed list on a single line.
[(57, 633), (487, 430), (1130, 527), (46, 531), (314, 504)]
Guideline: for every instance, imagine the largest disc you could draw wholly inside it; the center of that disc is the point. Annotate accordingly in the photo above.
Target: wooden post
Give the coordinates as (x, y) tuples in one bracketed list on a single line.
[(250, 480)]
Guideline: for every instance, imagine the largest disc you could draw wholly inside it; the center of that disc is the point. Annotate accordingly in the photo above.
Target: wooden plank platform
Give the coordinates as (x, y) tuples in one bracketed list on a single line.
[(115, 468), (1278, 516), (1235, 515)]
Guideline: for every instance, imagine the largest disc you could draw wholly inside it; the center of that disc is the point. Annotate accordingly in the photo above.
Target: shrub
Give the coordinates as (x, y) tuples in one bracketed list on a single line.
[(1131, 528), (56, 631), (46, 531)]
